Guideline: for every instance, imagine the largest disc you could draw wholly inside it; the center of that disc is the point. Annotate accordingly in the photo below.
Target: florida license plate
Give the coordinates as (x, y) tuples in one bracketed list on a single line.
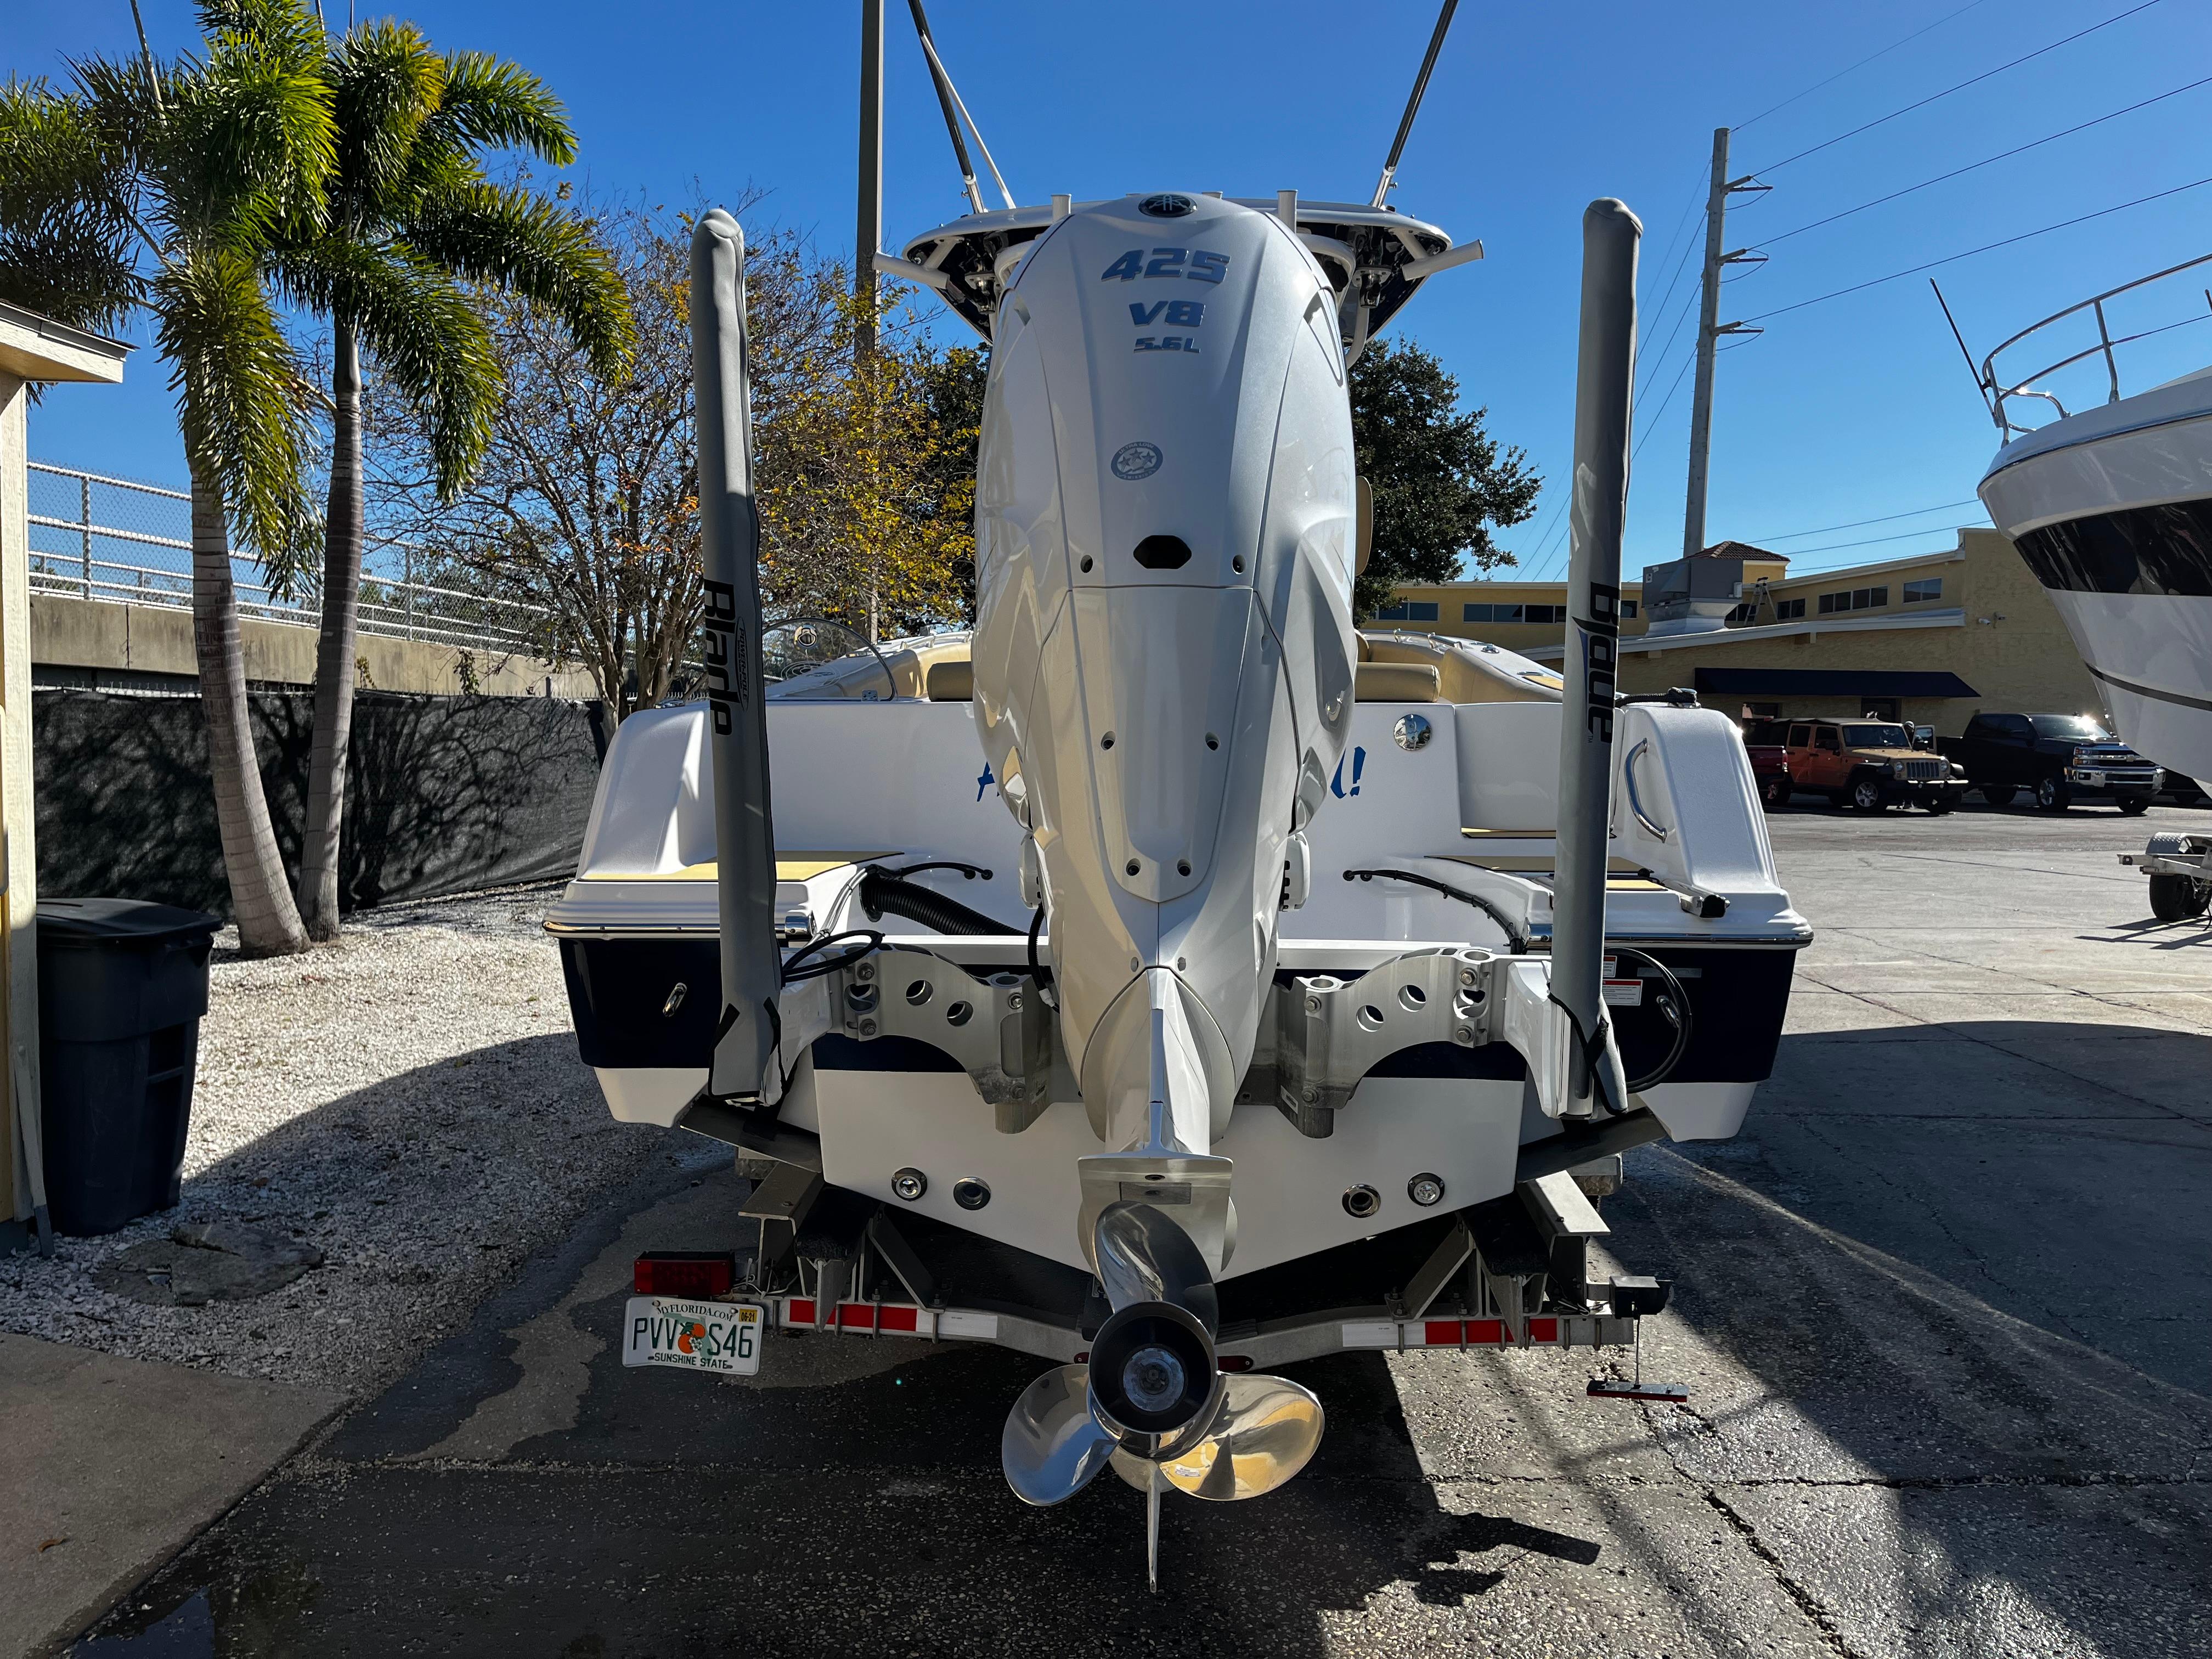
[(694, 1336)]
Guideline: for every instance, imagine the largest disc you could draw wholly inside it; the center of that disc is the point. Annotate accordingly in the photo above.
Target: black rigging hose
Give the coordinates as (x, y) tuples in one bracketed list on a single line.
[(880, 890), (1673, 1004), (1038, 972), (1515, 938)]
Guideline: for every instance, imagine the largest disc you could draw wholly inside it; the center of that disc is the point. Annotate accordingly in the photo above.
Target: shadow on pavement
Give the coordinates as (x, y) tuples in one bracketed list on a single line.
[(1948, 1305)]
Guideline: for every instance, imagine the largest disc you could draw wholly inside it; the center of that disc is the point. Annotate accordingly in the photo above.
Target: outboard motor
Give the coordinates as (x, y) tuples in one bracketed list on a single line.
[(1165, 522)]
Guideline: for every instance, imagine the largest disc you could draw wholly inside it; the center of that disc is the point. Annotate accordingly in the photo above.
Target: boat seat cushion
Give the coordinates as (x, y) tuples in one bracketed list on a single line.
[(951, 682), (1396, 682)]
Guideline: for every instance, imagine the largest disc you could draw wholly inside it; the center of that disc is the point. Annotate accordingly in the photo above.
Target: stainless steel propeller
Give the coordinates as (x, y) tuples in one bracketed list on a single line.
[(1152, 1401)]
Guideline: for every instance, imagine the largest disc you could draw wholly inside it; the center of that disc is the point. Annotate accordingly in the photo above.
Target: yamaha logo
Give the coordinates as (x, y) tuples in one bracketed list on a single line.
[(1167, 207)]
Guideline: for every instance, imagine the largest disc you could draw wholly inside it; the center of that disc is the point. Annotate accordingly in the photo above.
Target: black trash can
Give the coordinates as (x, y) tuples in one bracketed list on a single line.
[(122, 985)]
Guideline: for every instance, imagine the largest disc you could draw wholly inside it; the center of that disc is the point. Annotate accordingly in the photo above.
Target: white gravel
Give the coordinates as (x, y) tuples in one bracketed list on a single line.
[(409, 1099)]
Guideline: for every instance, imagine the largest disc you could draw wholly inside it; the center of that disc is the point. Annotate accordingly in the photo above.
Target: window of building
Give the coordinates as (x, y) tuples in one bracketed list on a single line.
[(1742, 613), (1788, 609), (1544, 613), (1859, 599), (1931, 588), (1408, 611), (1628, 607)]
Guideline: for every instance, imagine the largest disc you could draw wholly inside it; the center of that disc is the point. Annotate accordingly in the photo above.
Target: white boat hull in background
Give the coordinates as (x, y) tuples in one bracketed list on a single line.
[(2112, 511)]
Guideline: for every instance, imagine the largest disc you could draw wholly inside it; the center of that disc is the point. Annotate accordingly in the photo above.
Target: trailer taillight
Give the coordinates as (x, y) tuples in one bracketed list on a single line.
[(685, 1273)]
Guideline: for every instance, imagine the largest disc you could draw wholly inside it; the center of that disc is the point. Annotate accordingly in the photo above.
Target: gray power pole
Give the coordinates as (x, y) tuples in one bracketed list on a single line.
[(868, 227), (1709, 313), (1709, 329)]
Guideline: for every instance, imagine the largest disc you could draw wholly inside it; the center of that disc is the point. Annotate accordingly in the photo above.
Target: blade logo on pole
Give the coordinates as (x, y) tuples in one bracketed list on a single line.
[(1601, 660)]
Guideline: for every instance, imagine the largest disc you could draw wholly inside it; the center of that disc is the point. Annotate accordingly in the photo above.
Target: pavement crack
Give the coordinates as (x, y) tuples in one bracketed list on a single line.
[(1809, 1604)]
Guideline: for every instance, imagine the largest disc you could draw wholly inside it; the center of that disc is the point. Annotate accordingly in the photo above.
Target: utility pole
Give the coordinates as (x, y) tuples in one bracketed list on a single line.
[(1709, 329), (868, 228)]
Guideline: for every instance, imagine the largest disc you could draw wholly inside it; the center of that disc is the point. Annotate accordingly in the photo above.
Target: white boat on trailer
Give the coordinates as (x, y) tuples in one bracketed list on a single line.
[(2112, 509), (1168, 979)]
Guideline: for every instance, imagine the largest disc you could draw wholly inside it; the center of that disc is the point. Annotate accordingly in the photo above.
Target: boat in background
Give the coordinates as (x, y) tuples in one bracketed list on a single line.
[(2111, 508)]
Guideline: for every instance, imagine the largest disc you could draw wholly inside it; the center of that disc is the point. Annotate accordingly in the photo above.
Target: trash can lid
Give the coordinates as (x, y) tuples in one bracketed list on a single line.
[(117, 922)]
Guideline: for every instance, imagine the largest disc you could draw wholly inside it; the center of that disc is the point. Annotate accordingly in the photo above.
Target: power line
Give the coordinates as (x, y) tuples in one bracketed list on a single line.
[(2002, 155), (1902, 536), (1861, 64), (1987, 248), (1887, 518), (1971, 80)]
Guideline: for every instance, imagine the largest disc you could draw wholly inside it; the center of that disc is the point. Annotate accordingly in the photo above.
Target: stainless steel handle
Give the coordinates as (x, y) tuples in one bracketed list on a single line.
[(1635, 802)]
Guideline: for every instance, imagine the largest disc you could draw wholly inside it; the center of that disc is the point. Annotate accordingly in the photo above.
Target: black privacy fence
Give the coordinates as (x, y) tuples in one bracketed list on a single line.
[(445, 794)]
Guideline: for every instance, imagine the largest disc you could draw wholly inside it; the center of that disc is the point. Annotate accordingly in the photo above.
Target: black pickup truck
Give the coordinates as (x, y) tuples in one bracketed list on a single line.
[(2052, 758)]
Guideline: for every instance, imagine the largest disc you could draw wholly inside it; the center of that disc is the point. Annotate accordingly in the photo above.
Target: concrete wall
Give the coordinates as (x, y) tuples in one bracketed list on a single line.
[(96, 634)]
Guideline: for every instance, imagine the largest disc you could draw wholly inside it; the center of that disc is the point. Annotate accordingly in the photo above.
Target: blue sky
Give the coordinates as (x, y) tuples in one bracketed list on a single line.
[(1853, 409)]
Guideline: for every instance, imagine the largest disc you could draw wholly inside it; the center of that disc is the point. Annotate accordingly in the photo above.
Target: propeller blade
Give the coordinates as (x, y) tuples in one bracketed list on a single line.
[(1268, 1427), (1052, 1446), (1145, 1256)]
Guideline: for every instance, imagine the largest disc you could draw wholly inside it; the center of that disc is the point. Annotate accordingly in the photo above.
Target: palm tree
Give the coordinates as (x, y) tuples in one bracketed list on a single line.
[(161, 188), (411, 221)]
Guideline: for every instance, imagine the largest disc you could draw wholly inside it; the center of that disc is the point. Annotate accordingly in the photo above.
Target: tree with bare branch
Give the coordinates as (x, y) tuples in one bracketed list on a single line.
[(586, 504)]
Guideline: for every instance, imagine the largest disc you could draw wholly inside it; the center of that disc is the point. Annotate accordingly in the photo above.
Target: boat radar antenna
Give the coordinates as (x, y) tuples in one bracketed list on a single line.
[(1412, 104), (956, 111)]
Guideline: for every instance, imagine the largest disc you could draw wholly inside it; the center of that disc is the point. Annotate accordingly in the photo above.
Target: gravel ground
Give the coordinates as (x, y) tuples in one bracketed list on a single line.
[(410, 1101)]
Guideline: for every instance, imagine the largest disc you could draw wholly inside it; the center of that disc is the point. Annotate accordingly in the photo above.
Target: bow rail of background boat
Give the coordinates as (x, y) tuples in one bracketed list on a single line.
[(1996, 391)]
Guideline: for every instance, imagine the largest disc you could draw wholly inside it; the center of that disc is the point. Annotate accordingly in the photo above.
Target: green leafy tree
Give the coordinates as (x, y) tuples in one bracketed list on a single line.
[(161, 188), (1441, 482), (412, 227)]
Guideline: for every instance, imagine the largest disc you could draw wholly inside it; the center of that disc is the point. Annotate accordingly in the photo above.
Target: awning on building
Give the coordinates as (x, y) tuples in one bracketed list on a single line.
[(1831, 683)]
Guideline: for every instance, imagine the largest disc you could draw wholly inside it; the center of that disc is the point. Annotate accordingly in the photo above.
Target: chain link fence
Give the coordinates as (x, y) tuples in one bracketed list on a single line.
[(122, 542)]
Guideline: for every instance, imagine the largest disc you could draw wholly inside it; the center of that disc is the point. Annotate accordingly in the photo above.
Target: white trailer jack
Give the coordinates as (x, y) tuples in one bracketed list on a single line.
[(2179, 867)]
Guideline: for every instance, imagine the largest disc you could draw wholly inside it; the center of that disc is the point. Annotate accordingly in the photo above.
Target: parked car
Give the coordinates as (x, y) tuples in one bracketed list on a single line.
[(1769, 767), (2052, 758), (1863, 764)]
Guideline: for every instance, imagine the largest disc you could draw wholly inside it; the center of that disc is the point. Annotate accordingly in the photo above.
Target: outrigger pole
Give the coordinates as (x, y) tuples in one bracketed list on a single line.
[(750, 1029), (1413, 104), (1604, 375)]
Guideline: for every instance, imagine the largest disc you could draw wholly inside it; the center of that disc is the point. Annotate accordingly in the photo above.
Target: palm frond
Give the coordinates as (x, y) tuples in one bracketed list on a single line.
[(387, 81), (67, 201), (249, 145), (490, 101), (287, 30), (424, 331), (238, 387), (520, 242)]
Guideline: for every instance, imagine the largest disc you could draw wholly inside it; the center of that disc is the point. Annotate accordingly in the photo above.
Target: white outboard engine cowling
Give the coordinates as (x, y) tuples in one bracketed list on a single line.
[(1164, 656)]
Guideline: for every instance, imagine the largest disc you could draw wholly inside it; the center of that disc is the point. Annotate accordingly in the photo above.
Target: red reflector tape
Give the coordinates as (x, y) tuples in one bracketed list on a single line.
[(1487, 1333), (856, 1315), (1543, 1330), (1440, 1332), (895, 1319), (799, 1312)]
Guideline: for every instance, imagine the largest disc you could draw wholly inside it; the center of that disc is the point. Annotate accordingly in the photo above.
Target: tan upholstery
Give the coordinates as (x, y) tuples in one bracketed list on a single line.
[(951, 680), (1395, 682)]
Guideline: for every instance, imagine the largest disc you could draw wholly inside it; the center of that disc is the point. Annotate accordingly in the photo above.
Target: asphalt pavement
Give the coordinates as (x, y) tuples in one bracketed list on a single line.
[(1945, 1309)]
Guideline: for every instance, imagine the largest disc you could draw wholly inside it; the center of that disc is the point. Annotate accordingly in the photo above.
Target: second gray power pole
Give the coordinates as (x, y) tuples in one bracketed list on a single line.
[(1708, 318)]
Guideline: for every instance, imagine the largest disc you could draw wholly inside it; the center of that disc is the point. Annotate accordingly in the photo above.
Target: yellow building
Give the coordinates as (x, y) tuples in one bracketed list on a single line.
[(1931, 639)]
